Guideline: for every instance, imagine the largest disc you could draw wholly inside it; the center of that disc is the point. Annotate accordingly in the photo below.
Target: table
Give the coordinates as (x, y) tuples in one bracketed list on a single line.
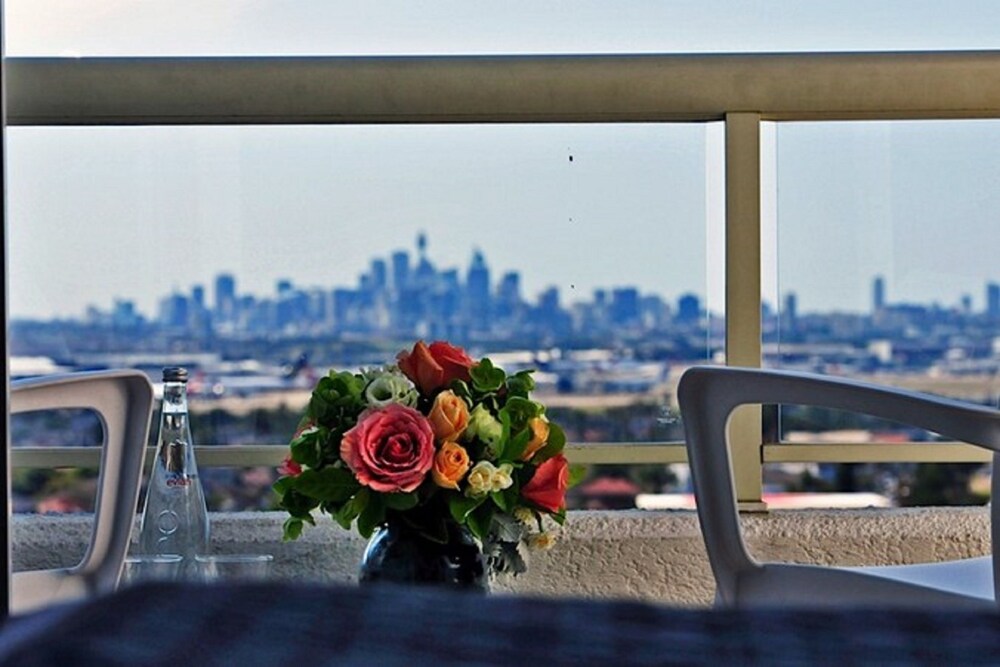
[(314, 626)]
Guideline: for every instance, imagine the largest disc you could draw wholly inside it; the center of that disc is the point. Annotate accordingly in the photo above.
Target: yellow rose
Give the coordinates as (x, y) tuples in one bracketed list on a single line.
[(450, 465), (501, 478), (448, 416), (481, 478), (539, 436)]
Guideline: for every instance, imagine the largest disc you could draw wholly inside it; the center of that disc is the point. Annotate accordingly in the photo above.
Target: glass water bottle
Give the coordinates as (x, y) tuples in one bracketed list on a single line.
[(175, 519)]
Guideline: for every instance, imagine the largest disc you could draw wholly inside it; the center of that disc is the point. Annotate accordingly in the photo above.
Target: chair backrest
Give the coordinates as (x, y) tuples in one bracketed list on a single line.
[(708, 395), (124, 402)]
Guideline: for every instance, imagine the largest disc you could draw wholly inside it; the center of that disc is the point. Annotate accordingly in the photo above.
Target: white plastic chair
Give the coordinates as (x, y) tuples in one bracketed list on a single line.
[(707, 396), (124, 401)]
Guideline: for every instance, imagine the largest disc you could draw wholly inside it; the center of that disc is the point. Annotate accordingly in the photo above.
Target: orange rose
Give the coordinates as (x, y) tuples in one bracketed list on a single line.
[(432, 367), (547, 489), (448, 416), (450, 465), (539, 436)]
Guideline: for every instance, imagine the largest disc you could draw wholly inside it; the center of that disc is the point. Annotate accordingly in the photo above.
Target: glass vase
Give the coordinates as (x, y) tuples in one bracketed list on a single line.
[(401, 554)]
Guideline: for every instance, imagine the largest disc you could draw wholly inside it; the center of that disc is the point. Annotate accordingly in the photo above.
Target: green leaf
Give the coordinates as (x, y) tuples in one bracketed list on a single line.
[(479, 520), (292, 529), (521, 411), (555, 444), (486, 377), (461, 506), (576, 475), (401, 501), (333, 485), (337, 399), (500, 499), (307, 449), (461, 390), (350, 510), (559, 517), (521, 384), (283, 484), (298, 505), (372, 516), (517, 445), (507, 529)]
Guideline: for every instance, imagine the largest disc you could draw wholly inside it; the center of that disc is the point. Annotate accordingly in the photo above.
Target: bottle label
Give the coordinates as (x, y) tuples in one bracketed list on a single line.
[(175, 480)]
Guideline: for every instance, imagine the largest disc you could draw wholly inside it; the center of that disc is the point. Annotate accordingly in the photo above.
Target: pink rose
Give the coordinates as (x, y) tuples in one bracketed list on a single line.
[(391, 449), (547, 488), (289, 467), (432, 367)]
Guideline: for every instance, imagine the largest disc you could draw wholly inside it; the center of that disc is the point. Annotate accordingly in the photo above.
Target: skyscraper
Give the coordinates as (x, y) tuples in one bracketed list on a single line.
[(878, 294), (688, 308), (400, 270), (225, 297), (993, 300), (477, 290)]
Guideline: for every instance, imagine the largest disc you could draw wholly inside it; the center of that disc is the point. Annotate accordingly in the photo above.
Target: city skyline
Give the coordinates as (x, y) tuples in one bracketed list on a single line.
[(480, 280)]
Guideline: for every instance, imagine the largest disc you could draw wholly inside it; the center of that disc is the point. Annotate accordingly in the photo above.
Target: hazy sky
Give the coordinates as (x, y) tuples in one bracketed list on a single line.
[(103, 213)]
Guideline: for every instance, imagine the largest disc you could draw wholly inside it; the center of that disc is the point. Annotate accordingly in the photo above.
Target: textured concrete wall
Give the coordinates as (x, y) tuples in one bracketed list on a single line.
[(653, 555)]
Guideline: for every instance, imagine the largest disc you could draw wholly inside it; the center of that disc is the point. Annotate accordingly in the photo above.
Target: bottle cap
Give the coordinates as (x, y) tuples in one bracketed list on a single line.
[(175, 374)]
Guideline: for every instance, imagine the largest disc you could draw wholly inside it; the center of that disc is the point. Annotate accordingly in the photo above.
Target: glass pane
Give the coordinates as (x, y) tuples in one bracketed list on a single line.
[(59, 491), (886, 271), (260, 257)]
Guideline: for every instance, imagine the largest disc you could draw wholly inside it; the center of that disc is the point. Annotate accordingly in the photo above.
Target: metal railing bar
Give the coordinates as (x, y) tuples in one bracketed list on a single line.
[(501, 89), (891, 452), (590, 454)]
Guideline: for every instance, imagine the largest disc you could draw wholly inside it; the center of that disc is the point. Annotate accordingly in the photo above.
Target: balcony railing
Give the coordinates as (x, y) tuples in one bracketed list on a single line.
[(740, 90)]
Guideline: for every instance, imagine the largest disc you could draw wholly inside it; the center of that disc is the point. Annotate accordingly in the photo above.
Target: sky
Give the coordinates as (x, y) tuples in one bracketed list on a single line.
[(97, 214)]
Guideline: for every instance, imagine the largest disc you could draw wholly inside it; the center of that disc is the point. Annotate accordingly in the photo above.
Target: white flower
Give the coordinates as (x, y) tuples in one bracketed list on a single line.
[(390, 387), (480, 478), (501, 478)]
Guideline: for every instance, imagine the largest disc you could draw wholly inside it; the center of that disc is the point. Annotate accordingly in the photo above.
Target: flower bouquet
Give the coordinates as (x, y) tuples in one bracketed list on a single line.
[(434, 441)]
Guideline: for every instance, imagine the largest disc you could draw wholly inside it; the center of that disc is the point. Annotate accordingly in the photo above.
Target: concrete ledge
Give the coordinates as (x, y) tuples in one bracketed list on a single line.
[(651, 555)]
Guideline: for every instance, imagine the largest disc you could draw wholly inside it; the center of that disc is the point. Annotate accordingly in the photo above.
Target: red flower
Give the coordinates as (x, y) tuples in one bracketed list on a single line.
[(433, 367), (390, 450), (289, 467), (547, 488)]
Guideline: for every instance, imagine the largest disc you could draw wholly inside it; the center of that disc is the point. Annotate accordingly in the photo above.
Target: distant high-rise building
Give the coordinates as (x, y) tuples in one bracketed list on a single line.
[(878, 294), (225, 297), (477, 290), (509, 290), (198, 295), (175, 311), (993, 300), (380, 277), (508, 298), (625, 306), (791, 306), (790, 313), (400, 270), (688, 308)]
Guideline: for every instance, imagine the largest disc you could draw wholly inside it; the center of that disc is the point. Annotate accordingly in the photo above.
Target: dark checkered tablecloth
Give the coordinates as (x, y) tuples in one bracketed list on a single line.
[(276, 624)]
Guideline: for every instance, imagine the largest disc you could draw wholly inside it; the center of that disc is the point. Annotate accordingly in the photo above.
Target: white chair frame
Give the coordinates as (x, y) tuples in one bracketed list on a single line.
[(123, 400), (708, 395)]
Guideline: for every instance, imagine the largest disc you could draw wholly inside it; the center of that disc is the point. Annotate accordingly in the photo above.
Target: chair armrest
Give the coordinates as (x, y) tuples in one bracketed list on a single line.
[(124, 401), (708, 395)]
